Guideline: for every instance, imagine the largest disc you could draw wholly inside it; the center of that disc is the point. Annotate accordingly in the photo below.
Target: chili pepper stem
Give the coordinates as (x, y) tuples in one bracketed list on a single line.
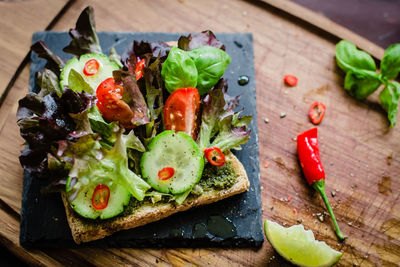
[(320, 187)]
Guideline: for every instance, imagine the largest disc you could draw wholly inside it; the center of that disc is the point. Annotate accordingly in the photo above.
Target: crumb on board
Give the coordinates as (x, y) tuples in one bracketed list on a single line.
[(266, 164)]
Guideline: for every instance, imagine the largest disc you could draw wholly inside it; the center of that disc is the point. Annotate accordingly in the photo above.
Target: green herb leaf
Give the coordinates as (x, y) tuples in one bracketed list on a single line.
[(348, 57), (361, 83), (211, 63), (114, 57), (108, 131), (77, 83), (179, 70), (389, 97), (390, 66)]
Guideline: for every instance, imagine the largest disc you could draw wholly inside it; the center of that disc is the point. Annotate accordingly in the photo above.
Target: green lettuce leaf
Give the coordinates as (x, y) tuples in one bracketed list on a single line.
[(220, 125), (106, 166), (77, 83)]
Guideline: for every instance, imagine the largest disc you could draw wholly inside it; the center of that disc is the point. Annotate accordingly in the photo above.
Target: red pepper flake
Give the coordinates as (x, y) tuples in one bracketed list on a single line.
[(297, 35), (316, 112), (294, 211), (266, 164), (289, 199), (290, 80)]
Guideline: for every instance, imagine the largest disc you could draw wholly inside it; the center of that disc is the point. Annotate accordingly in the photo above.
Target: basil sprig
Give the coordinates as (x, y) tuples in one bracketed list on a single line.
[(362, 78)]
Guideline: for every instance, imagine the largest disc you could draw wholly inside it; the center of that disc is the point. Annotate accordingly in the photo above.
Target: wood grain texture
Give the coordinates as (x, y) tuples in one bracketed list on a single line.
[(327, 25), (359, 152), (19, 20)]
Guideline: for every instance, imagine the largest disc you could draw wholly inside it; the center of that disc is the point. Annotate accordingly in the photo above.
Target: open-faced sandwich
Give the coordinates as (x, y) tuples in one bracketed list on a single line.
[(135, 139)]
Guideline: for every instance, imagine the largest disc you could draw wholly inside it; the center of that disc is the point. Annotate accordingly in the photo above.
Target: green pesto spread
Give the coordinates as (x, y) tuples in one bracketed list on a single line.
[(213, 178), (218, 177)]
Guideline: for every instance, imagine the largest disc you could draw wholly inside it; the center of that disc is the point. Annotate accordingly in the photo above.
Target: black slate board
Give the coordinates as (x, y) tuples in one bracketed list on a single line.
[(43, 220)]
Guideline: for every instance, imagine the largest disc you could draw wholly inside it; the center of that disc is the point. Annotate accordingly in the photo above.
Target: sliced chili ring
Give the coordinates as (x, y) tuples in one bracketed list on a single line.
[(166, 173), (317, 112), (290, 80), (100, 197), (215, 156), (139, 69), (91, 67)]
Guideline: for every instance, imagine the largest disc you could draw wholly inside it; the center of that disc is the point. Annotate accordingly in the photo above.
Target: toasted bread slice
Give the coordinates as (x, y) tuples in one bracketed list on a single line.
[(144, 214)]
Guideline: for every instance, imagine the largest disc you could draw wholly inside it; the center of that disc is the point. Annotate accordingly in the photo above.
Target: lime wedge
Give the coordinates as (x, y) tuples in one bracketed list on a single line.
[(298, 246)]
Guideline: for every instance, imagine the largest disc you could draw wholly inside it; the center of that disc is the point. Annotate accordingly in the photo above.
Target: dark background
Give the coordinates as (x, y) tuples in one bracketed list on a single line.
[(376, 20)]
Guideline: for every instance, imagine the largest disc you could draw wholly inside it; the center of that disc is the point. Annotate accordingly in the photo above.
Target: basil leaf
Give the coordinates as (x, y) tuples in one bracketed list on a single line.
[(361, 83), (77, 83), (178, 70), (389, 97), (348, 57), (211, 63), (390, 66)]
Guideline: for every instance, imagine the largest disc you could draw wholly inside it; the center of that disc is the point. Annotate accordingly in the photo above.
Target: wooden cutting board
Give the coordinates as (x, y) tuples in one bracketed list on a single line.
[(360, 153)]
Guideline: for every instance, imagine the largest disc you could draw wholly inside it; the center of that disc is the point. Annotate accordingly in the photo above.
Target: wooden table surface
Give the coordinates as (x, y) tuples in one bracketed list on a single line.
[(360, 153)]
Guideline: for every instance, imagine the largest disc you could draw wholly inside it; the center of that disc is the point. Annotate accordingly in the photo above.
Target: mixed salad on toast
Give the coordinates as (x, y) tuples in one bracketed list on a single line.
[(133, 138)]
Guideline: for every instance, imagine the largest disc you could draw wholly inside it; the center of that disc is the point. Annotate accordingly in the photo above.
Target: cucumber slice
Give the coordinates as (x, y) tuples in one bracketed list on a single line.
[(105, 70), (176, 150), (82, 204)]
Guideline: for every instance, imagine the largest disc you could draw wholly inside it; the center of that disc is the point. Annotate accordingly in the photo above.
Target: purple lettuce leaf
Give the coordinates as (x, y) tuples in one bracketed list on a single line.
[(205, 38), (133, 97), (154, 89), (54, 63), (45, 123), (149, 51), (84, 36), (220, 125)]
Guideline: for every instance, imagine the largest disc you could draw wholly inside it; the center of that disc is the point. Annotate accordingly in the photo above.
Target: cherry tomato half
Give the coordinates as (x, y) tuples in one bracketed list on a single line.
[(317, 112), (215, 156), (100, 197), (111, 105), (290, 80), (139, 69), (91, 67), (166, 173), (181, 111)]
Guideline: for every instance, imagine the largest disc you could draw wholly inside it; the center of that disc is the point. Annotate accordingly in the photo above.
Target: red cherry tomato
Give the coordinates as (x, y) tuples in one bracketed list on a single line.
[(181, 111), (139, 69), (166, 173), (290, 80), (91, 67), (215, 156), (317, 112), (110, 104), (100, 197)]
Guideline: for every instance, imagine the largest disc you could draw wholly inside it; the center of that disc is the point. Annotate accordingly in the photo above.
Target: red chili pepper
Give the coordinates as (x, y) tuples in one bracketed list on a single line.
[(215, 156), (91, 67), (139, 69), (310, 161), (166, 173), (317, 112), (290, 80), (100, 197)]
